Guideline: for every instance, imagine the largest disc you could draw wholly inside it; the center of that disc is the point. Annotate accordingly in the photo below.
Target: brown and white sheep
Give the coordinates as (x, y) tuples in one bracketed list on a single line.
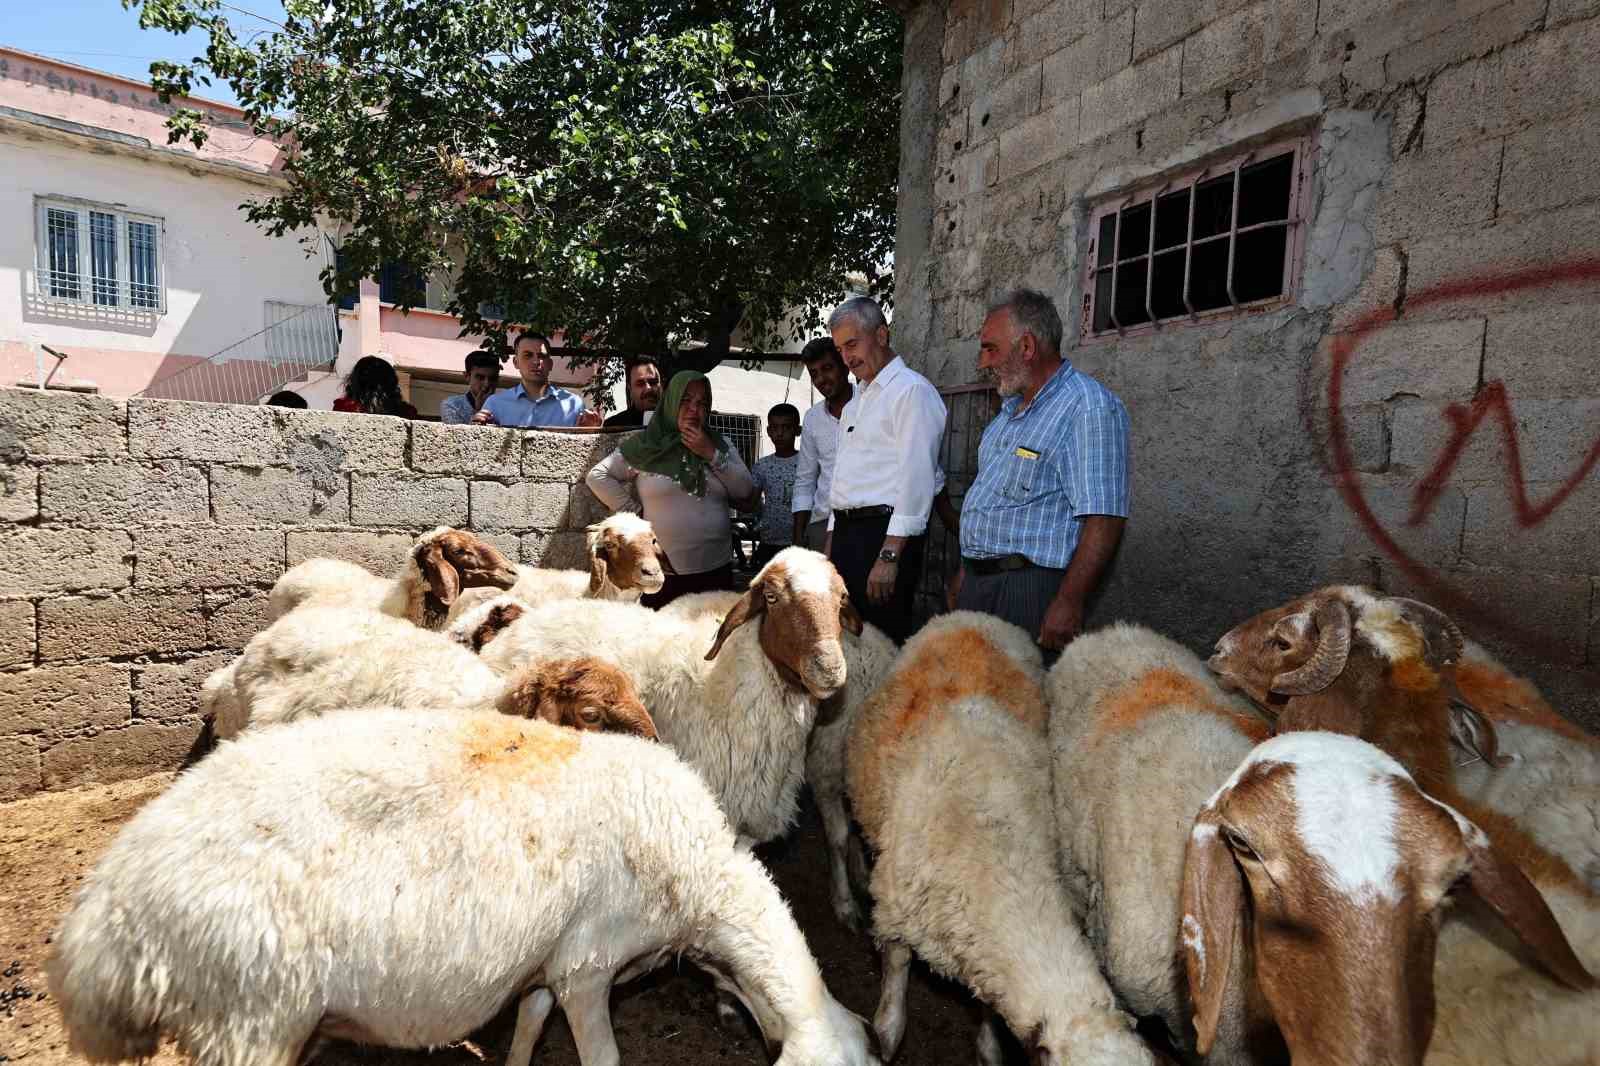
[(1382, 668), (439, 566), (1299, 906), (625, 562)]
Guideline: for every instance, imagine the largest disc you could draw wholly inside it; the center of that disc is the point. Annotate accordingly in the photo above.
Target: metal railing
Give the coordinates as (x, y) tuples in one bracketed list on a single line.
[(969, 409), (297, 340)]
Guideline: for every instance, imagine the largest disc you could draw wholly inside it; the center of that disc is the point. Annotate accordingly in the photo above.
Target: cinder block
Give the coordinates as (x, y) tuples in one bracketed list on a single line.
[(1431, 36), (19, 492), (1378, 289), (251, 496), (1553, 437), (172, 690), (1014, 99), (40, 561), (336, 442), (216, 432), (1488, 255), (206, 557), (134, 751), (555, 551), (510, 544), (970, 172), (1563, 543), (1160, 25), (1092, 58), (1042, 139), (1550, 166), (1437, 191), (1427, 360), (20, 772), (61, 424), (1052, 26), (147, 494), (16, 632), (1130, 95), (980, 73), (482, 451), (1564, 11), (1241, 45), (584, 508), (382, 553), (1368, 429), (565, 456), (403, 500), (77, 627), (1436, 542), (520, 505), (1546, 354), (1531, 81), (61, 700), (232, 619)]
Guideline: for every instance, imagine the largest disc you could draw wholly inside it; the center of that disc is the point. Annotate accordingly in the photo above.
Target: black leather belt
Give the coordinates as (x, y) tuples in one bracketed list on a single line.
[(856, 514), (986, 567)]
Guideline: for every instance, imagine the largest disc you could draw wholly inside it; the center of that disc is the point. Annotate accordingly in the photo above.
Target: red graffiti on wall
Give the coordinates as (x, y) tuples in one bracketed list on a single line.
[(1491, 402)]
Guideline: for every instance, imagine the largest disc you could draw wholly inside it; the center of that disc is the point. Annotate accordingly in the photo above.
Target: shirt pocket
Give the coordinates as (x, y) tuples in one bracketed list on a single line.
[(1026, 474)]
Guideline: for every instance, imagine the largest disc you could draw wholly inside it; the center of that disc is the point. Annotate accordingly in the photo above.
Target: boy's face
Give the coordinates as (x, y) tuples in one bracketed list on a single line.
[(782, 430)]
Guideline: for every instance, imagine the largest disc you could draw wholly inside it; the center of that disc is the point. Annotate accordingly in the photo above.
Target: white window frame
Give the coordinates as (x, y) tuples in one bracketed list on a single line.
[(122, 295)]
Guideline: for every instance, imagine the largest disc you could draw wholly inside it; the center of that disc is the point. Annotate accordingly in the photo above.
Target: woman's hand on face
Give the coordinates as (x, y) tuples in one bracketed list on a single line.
[(695, 439)]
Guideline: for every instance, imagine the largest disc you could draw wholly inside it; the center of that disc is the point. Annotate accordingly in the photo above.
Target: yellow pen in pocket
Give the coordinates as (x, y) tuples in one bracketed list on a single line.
[(1026, 453)]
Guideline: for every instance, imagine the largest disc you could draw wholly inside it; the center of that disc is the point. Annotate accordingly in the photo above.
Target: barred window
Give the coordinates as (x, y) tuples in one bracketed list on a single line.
[(1205, 243), (93, 254)]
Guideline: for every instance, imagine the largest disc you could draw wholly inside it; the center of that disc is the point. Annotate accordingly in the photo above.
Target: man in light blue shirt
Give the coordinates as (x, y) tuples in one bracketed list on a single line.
[(534, 402), (483, 377), (1047, 509)]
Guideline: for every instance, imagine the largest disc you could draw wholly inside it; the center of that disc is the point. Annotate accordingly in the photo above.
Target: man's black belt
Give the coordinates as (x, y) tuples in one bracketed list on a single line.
[(857, 514), (986, 567)]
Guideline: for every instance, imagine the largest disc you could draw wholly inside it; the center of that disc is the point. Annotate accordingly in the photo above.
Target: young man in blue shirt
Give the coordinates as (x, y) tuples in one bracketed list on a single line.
[(534, 402), (1047, 509)]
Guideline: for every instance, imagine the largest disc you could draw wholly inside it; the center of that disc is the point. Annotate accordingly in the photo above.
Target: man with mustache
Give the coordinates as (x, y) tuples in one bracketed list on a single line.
[(1047, 509)]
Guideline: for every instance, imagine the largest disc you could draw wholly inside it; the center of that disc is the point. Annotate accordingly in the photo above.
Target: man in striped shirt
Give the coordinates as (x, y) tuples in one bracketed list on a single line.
[(1045, 513)]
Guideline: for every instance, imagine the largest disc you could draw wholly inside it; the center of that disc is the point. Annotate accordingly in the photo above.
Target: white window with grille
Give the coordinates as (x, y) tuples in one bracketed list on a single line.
[(100, 256)]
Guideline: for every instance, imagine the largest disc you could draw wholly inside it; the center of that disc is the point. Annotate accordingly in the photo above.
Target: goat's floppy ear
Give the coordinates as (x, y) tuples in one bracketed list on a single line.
[(666, 563), (444, 581), (1213, 899), (599, 562), (848, 616), (1509, 893), (1470, 729), (751, 605)]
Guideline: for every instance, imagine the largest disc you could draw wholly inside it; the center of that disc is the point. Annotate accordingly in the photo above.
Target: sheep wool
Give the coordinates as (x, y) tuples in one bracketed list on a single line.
[(397, 877), (949, 776)]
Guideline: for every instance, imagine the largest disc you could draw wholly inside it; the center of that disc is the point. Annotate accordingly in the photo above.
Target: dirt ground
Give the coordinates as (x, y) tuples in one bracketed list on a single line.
[(48, 843)]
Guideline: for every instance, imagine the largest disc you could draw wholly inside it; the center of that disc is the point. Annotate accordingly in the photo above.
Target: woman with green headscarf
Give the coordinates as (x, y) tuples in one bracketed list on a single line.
[(683, 476)]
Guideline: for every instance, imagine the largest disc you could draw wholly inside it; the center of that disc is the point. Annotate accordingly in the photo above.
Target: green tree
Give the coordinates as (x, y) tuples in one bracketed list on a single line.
[(640, 173)]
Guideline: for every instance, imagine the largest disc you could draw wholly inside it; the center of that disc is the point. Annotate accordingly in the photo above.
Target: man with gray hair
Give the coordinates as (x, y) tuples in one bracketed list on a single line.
[(1046, 511), (886, 472)]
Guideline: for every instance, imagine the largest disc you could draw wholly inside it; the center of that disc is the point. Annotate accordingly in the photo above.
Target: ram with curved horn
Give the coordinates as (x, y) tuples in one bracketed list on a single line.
[(1350, 660)]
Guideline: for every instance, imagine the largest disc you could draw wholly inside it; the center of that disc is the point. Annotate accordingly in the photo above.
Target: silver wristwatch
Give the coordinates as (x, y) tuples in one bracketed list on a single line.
[(889, 555)]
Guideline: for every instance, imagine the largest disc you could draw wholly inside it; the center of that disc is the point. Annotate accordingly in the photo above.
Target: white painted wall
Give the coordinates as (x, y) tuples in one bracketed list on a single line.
[(220, 268)]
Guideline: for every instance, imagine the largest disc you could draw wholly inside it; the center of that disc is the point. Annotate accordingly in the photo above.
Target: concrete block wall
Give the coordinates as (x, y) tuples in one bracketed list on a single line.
[(139, 539), (1454, 144)]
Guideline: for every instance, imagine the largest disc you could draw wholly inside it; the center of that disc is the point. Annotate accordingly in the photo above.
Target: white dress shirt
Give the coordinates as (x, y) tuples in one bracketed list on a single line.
[(819, 447), (889, 436)]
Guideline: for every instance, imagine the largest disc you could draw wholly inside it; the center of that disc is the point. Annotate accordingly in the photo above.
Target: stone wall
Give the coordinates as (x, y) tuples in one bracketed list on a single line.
[(1454, 201), (139, 539)]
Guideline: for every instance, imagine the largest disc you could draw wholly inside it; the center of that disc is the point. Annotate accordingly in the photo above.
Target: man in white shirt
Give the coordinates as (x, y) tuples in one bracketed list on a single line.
[(819, 442), (886, 473)]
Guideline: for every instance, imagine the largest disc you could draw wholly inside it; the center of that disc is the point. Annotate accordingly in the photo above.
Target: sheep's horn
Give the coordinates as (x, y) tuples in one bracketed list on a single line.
[(1440, 633), (1332, 619)]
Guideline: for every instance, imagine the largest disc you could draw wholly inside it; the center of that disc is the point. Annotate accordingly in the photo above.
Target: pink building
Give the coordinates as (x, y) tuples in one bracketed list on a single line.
[(127, 265)]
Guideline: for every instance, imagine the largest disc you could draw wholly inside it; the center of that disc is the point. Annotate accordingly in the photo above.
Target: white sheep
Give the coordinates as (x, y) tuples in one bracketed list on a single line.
[(440, 564), (1551, 781), (949, 776), (1315, 849), (868, 659), (739, 713), (319, 659), (625, 562), (398, 877)]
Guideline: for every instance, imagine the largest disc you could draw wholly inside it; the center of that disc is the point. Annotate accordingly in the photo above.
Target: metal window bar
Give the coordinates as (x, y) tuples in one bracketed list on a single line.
[(103, 258), (62, 244), (969, 411), (1298, 153), (144, 265)]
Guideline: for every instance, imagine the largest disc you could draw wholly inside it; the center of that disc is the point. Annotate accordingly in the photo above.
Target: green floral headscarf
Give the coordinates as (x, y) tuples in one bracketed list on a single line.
[(659, 447)]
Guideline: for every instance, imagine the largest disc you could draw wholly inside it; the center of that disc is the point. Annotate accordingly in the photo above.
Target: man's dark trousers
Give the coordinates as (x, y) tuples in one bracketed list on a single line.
[(856, 543)]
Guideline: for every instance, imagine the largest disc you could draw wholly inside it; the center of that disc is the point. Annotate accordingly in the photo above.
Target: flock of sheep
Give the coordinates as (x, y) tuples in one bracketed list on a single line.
[(1351, 837)]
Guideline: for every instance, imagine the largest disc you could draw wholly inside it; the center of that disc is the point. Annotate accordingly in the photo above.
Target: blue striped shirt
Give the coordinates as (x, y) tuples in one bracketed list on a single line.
[(1042, 470), (513, 407)]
